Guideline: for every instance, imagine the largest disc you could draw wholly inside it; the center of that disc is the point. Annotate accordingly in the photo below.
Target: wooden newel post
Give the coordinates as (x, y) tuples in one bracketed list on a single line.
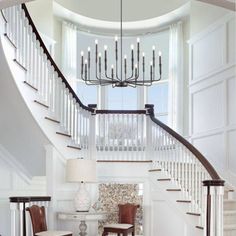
[(214, 191)]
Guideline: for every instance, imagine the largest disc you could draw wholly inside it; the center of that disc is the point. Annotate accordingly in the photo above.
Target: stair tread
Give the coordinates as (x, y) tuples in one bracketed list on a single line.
[(74, 147), (183, 201), (51, 119), (199, 227), (64, 134), (230, 200), (173, 189), (230, 226), (153, 170), (229, 212), (193, 213), (164, 179)]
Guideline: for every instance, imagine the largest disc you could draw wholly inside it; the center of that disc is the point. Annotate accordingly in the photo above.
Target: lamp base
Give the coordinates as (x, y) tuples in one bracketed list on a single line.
[(82, 199)]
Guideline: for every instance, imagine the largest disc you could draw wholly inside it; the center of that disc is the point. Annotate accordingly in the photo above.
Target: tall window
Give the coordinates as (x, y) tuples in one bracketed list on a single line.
[(122, 98), (158, 96), (87, 94)]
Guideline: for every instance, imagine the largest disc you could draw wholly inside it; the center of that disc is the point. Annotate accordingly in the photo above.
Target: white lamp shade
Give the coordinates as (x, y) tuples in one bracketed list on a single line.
[(80, 170)]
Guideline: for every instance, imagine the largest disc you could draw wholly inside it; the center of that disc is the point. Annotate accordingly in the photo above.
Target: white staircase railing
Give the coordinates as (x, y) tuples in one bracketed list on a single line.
[(116, 135), (121, 136), (42, 74)]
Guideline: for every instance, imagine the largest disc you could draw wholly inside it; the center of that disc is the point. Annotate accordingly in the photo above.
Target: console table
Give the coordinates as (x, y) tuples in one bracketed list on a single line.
[(82, 217)]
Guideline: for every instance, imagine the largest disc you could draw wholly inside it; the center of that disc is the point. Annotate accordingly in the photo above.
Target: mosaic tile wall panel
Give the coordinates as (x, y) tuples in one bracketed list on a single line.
[(112, 194)]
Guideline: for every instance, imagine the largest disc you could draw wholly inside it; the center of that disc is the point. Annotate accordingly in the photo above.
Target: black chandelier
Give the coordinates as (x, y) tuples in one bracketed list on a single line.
[(138, 76)]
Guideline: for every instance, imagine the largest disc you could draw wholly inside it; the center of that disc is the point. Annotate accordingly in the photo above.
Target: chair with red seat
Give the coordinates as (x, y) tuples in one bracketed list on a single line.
[(39, 224), (126, 225)]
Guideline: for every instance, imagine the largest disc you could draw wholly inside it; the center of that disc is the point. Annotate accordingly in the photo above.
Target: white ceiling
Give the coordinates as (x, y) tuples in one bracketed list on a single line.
[(8, 3), (133, 10)]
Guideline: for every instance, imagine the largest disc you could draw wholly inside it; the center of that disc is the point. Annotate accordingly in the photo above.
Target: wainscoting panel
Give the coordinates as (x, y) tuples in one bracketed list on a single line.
[(208, 109), (231, 88), (231, 39), (205, 49), (177, 224), (213, 148), (212, 95), (232, 151)]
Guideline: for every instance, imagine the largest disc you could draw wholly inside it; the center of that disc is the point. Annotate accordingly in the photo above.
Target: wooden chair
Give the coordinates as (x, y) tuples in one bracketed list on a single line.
[(39, 224), (126, 225)]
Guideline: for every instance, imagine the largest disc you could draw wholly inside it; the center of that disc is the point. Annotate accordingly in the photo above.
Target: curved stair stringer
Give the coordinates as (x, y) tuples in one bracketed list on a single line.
[(29, 95), (166, 188)]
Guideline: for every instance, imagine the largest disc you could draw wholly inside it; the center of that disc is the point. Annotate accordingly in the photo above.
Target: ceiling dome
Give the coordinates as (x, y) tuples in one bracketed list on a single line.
[(133, 10)]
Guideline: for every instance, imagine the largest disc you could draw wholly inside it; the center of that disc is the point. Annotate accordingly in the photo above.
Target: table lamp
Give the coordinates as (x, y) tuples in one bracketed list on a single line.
[(81, 171)]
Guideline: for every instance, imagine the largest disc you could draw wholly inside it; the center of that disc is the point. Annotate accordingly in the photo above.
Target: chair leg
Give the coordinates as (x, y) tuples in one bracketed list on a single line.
[(104, 233)]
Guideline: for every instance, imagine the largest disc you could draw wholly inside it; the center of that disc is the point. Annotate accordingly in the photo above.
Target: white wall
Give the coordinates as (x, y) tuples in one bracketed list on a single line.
[(212, 94), (203, 15), (15, 181), (41, 12), (19, 133)]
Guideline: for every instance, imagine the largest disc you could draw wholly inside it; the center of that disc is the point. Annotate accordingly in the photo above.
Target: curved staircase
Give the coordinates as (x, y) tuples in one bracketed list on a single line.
[(179, 169)]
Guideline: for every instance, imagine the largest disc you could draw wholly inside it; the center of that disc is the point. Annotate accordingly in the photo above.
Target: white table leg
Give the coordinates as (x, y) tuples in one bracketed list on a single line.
[(82, 228)]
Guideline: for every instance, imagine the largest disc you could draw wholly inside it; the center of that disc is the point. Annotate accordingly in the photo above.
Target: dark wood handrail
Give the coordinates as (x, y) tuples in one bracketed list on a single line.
[(49, 57), (210, 169), (25, 199), (121, 112)]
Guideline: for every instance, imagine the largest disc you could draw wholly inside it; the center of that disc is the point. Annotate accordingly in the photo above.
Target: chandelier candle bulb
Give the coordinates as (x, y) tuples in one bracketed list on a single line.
[(136, 70), (143, 63), (125, 64), (96, 52), (86, 69), (112, 71), (82, 62), (160, 64), (96, 41), (100, 63)]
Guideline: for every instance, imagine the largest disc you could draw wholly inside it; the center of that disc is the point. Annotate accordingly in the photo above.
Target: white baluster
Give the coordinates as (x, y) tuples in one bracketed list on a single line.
[(14, 225)]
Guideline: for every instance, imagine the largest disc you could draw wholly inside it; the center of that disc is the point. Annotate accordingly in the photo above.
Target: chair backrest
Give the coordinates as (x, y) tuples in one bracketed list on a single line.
[(38, 218), (127, 213)]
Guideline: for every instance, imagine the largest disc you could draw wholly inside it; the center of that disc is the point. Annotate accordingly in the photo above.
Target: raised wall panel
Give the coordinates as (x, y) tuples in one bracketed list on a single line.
[(160, 220), (208, 109), (232, 151), (212, 147), (231, 84), (208, 53), (231, 40)]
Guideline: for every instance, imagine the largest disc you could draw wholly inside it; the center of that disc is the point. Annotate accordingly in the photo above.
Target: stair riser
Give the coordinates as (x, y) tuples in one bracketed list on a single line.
[(229, 232), (229, 206), (229, 219)]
